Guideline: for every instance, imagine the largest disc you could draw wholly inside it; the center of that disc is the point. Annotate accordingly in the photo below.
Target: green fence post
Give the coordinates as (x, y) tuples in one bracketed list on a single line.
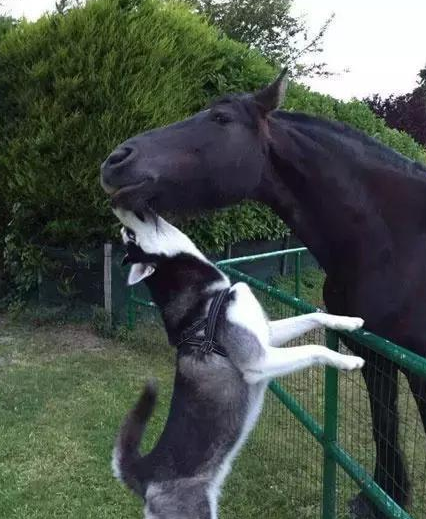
[(297, 274), (131, 311), (297, 277), (330, 433)]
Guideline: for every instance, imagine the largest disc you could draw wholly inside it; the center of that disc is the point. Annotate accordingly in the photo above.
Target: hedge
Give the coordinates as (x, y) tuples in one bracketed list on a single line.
[(77, 85), (74, 86)]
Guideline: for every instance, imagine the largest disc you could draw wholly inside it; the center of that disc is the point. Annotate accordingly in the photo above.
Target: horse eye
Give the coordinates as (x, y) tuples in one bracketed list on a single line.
[(221, 118)]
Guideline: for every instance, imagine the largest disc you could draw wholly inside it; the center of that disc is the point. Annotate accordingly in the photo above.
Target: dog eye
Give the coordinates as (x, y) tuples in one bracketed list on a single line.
[(221, 118), (130, 234)]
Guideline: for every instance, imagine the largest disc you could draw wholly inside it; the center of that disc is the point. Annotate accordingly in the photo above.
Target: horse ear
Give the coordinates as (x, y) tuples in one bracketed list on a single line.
[(271, 96)]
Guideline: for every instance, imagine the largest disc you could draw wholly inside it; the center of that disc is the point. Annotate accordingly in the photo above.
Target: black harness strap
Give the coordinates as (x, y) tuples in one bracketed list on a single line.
[(208, 326)]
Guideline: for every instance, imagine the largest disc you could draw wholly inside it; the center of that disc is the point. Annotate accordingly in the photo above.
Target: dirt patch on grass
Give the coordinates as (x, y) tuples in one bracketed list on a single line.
[(17, 338), (73, 337)]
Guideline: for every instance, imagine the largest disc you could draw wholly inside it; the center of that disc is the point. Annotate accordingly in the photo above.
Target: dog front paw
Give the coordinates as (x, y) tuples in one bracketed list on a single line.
[(349, 363), (341, 322)]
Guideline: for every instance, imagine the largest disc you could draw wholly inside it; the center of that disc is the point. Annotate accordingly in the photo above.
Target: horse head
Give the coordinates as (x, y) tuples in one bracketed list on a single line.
[(213, 159)]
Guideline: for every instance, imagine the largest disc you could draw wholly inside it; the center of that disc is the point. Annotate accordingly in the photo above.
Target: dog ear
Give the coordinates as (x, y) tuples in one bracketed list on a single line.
[(140, 271)]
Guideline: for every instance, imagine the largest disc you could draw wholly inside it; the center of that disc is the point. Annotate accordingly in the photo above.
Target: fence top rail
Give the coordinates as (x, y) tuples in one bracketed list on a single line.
[(257, 257), (401, 356)]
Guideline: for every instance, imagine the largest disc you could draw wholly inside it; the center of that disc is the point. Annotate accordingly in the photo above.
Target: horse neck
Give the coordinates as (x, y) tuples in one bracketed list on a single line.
[(347, 207)]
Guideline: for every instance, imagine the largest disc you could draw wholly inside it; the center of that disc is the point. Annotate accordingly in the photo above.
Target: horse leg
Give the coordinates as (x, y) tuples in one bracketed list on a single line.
[(381, 378), (418, 388)]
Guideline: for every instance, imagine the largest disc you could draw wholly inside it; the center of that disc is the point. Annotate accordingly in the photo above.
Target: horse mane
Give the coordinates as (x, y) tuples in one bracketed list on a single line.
[(328, 131), (331, 130)]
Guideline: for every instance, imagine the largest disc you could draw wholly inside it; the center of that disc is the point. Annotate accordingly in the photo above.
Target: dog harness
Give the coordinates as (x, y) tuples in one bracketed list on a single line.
[(207, 341)]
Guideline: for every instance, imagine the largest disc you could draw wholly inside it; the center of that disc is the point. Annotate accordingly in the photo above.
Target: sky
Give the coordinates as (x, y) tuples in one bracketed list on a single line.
[(381, 42)]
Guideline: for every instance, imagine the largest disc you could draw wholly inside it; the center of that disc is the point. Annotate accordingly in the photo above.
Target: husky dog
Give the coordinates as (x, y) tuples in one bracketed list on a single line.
[(227, 353)]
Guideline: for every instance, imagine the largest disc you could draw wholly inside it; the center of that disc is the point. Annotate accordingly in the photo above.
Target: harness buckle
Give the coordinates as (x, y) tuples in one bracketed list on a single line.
[(207, 343), (207, 346)]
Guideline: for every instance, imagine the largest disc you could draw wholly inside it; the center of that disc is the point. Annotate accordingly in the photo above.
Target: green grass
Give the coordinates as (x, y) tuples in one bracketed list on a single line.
[(311, 283), (63, 394)]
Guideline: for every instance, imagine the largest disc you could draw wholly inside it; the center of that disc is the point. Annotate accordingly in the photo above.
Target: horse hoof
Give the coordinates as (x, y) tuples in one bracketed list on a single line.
[(360, 508)]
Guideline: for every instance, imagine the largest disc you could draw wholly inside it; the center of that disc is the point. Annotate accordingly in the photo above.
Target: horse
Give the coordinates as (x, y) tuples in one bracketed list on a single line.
[(359, 207)]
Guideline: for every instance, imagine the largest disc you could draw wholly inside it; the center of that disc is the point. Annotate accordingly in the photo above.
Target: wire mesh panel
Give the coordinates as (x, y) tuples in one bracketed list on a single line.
[(292, 458), (412, 427), (356, 433)]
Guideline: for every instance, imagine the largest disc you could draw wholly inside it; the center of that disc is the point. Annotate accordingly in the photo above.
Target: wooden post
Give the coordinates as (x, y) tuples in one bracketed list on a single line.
[(108, 285)]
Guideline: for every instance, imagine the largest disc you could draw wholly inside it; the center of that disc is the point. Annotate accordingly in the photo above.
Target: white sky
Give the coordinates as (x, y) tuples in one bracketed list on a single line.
[(31, 9), (381, 42)]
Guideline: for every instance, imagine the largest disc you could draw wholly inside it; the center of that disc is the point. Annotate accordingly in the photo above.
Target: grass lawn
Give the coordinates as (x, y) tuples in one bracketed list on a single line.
[(64, 391)]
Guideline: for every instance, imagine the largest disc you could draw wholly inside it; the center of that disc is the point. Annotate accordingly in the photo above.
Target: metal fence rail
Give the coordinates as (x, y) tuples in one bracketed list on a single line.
[(323, 423)]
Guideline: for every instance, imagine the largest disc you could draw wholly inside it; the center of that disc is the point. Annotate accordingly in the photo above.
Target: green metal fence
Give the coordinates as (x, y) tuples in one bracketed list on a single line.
[(327, 447)]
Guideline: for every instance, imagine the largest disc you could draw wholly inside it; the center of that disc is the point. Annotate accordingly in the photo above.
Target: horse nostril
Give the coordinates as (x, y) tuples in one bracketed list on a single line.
[(120, 155)]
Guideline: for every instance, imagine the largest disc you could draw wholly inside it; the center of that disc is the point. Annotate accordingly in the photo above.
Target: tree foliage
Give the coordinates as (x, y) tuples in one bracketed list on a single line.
[(268, 26), (62, 6), (74, 86), (422, 77), (6, 24), (406, 112)]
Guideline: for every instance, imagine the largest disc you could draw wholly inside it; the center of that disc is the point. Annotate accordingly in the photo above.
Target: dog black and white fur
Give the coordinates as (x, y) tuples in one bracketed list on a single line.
[(216, 399)]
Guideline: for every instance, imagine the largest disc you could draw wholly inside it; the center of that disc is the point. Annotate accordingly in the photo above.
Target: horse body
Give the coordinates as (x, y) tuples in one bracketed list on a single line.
[(363, 222), (359, 207)]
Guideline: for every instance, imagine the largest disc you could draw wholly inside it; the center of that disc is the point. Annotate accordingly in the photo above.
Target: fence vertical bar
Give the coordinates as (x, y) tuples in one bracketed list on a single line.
[(108, 285), (131, 311), (297, 275), (330, 433)]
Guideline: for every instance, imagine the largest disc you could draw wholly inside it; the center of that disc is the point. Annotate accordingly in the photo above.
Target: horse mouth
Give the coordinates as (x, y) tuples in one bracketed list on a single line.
[(132, 196), (113, 190), (109, 190), (144, 195)]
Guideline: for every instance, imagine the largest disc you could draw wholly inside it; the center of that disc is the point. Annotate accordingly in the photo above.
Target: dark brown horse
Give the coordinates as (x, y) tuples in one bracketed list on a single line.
[(359, 206)]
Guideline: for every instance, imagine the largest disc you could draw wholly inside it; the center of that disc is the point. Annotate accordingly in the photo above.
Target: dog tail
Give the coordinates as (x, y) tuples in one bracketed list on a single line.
[(128, 465)]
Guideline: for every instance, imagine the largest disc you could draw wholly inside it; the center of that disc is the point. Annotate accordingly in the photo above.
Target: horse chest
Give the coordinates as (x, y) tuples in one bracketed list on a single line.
[(334, 296)]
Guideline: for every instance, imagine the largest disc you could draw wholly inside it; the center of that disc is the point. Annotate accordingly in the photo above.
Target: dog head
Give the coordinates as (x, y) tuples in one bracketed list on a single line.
[(151, 241), (142, 265)]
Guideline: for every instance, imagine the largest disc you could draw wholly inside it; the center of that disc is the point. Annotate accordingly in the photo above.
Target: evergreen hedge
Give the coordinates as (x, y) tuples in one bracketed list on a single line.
[(77, 85), (74, 86)]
